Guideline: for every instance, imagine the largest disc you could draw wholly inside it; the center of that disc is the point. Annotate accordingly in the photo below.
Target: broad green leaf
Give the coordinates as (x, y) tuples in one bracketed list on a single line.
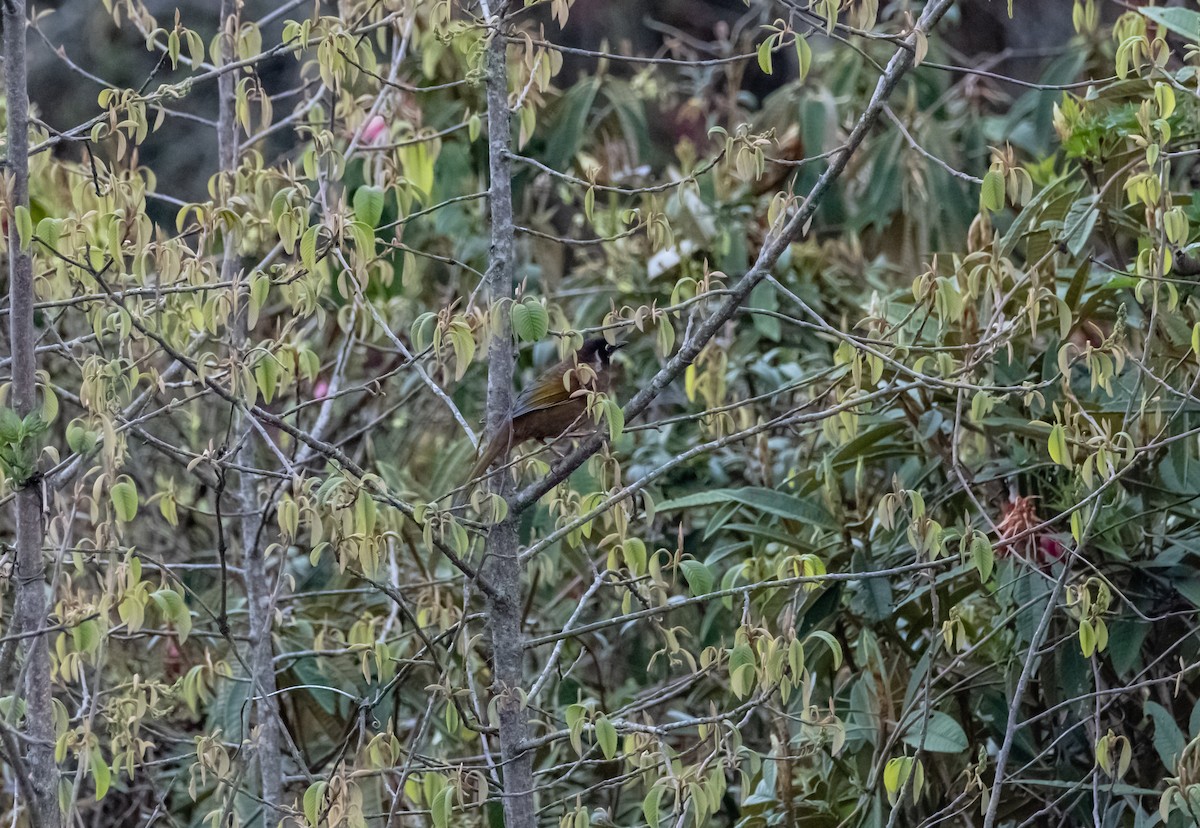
[(615, 417), (100, 772), (741, 670), (124, 499), (942, 735), (991, 194), (266, 376), (835, 648), (314, 797), (1182, 21), (368, 205), (803, 56), (1057, 446), (781, 504), (651, 805), (1079, 223), (530, 320), (308, 247), (24, 226), (1087, 638), (699, 577), (982, 555), (174, 609), (442, 806), (606, 736), (1169, 740), (764, 55)]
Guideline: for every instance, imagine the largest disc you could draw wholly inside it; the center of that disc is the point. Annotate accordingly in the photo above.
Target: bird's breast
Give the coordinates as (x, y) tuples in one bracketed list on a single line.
[(545, 423)]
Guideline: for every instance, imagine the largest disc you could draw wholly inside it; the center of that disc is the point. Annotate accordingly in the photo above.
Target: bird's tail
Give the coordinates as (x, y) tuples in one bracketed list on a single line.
[(499, 443)]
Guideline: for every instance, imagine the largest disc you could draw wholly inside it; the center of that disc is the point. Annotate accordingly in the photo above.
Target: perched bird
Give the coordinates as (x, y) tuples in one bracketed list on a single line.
[(551, 405)]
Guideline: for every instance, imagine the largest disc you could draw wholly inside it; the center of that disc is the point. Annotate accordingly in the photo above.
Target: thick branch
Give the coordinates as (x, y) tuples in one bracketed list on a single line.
[(30, 605), (503, 566), (259, 592)]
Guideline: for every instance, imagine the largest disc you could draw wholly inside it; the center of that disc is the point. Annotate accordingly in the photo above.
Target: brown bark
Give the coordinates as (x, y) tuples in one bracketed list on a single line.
[(259, 592), (503, 565), (30, 606)]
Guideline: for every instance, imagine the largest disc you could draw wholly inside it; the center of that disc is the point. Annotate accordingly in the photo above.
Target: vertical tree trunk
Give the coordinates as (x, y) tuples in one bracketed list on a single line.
[(29, 612), (503, 567), (258, 589)]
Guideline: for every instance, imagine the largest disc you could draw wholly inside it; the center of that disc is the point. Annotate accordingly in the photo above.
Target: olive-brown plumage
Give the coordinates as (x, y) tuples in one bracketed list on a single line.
[(551, 405)]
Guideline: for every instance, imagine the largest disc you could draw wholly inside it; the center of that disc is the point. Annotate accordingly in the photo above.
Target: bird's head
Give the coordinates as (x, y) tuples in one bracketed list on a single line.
[(597, 352)]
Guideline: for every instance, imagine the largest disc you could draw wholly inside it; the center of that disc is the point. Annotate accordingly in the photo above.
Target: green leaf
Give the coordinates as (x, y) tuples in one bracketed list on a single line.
[(942, 735), (1181, 21), (260, 288), (368, 205), (79, 439), (1125, 645), (699, 577), (895, 774), (531, 321), (764, 297), (124, 499), (1169, 740), (314, 796), (991, 194), (803, 56), (1087, 638), (651, 805), (441, 806), (764, 55), (24, 226), (571, 124), (741, 670), (86, 636), (422, 330), (174, 609), (1057, 446), (364, 237), (982, 555), (835, 648), (10, 425), (803, 510), (308, 247), (48, 230), (606, 736), (266, 376), (615, 417), (101, 772), (464, 350), (1079, 223)]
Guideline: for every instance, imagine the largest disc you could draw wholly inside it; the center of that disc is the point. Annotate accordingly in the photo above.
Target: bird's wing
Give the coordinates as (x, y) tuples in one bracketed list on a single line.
[(546, 391)]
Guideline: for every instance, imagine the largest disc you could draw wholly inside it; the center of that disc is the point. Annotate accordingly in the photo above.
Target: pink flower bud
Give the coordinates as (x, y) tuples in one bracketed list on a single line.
[(375, 129)]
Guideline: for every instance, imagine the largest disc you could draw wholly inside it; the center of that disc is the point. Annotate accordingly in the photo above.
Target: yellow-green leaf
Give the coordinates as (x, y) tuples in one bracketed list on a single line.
[(803, 56), (991, 194), (101, 773), (368, 205), (24, 225), (308, 247), (982, 555), (606, 736), (313, 798), (124, 499), (1057, 446), (764, 55)]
